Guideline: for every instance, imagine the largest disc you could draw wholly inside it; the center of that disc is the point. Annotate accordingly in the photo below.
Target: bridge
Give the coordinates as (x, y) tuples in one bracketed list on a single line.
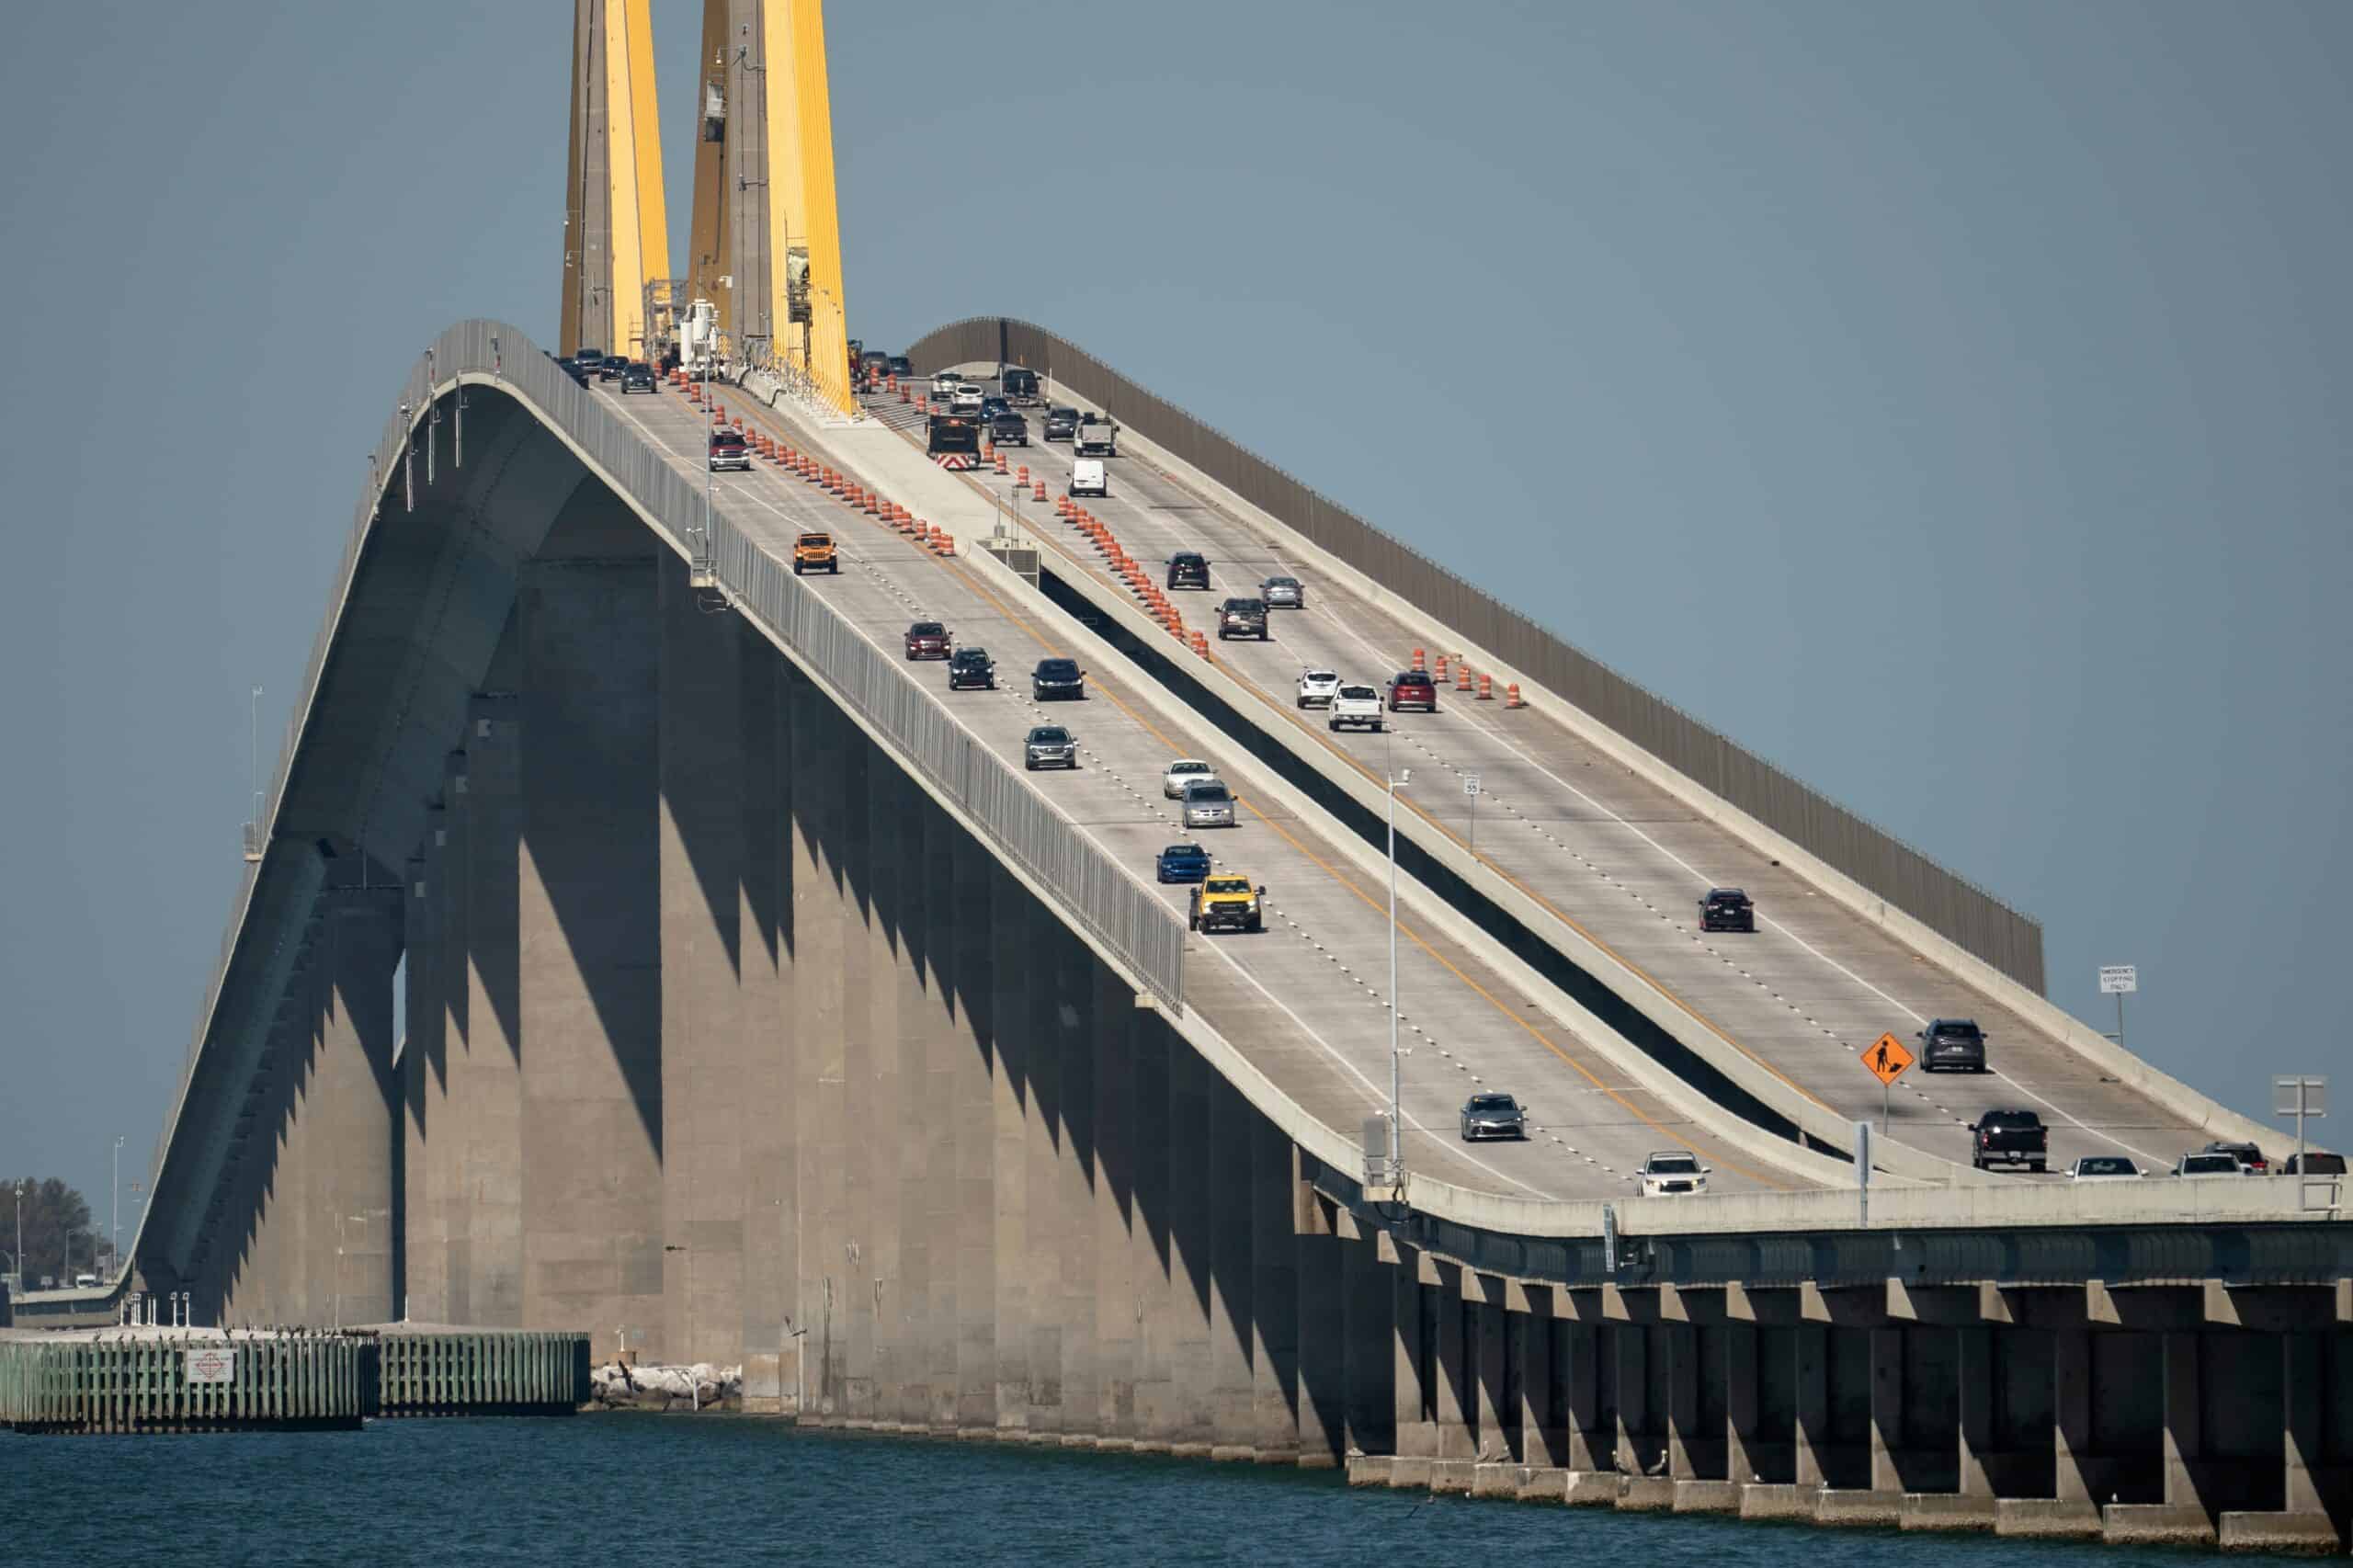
[(761, 1007)]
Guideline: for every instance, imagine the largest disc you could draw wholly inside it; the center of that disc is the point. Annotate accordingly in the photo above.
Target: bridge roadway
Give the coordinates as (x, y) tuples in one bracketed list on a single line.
[(1611, 853), (1304, 1000)]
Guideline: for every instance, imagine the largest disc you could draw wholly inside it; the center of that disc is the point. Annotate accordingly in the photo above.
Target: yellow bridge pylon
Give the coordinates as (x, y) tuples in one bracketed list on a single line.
[(764, 238)]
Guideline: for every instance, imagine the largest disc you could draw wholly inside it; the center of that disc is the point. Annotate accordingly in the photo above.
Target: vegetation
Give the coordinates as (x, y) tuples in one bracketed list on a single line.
[(57, 1232)]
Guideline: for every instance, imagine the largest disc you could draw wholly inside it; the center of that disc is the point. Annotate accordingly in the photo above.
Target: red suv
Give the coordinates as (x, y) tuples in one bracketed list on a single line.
[(1412, 689)]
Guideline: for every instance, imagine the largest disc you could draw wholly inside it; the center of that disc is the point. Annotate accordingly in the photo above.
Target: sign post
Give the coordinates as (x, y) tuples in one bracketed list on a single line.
[(1887, 1059), (1863, 1172), (2119, 980), (2300, 1097), (1471, 787)]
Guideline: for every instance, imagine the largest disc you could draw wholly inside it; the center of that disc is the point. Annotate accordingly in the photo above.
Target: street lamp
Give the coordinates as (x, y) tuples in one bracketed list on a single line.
[(1396, 781), (114, 1207)]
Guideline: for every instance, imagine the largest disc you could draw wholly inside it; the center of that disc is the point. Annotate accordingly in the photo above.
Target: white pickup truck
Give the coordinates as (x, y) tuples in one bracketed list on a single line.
[(1356, 706)]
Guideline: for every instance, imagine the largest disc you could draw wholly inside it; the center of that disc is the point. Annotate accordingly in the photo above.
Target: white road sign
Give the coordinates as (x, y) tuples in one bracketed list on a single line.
[(1470, 783), (2115, 979), (211, 1365)]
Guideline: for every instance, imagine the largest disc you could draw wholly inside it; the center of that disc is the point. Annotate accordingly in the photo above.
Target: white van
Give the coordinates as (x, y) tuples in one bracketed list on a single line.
[(1088, 478)]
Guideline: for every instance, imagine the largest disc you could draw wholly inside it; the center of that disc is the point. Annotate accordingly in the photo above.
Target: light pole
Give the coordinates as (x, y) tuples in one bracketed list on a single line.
[(1396, 1114), (20, 1233), (114, 1207)]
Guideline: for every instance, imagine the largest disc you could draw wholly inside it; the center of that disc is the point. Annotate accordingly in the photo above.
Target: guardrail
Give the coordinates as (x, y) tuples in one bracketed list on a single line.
[(427, 429), (1940, 898)]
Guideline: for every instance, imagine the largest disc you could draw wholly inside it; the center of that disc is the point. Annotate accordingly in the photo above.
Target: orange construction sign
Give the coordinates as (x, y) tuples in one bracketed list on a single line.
[(1887, 1059)]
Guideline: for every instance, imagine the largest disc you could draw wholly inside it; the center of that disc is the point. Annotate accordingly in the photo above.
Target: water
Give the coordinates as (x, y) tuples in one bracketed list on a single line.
[(616, 1491)]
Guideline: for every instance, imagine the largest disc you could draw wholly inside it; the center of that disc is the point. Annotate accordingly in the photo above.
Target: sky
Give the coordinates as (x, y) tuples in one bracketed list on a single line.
[(1945, 401)]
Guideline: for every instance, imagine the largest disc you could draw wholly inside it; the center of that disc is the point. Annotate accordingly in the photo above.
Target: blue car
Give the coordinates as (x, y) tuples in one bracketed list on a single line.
[(1184, 863)]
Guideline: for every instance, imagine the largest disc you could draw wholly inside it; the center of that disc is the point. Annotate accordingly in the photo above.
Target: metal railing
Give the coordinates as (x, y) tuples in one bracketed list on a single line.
[(1891, 869), (1092, 888)]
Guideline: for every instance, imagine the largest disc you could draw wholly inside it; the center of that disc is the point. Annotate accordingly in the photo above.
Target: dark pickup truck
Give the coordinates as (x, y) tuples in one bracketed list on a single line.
[(2008, 1138)]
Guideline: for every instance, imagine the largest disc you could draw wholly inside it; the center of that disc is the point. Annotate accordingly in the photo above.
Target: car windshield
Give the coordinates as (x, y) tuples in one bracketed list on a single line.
[(1492, 1102), (2202, 1164), (2012, 1119), (972, 655), (1186, 852), (1050, 736), (1242, 607), (1413, 677), (1189, 768), (1364, 693), (927, 628), (1058, 669), (2320, 1165), (2106, 1165), (1213, 793), (1282, 582), (727, 439), (1729, 895), (1226, 884), (1957, 1029), (1674, 1165), (1318, 677), (816, 538)]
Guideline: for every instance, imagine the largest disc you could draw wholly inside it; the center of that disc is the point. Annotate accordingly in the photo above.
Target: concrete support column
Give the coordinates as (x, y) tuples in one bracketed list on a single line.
[(1369, 1354), (864, 773), (1077, 1024), (1810, 1347), (1634, 1443), (1683, 1375), (421, 1283), (446, 1109), (2185, 1417), (589, 952), (1018, 932), (771, 1195), (1887, 1408), (1544, 1432), (1320, 1326), (1193, 1368), (2303, 1386), (1492, 1353), (1226, 1174), (703, 1058), (353, 1121), (487, 1076), (1453, 1385), (1153, 1275), (972, 907), (1114, 1045), (1592, 1441), (1045, 994), (1411, 1375), (821, 747), (950, 1057), (1978, 1373), (1275, 1292), (926, 1343), (1741, 1402), (886, 809)]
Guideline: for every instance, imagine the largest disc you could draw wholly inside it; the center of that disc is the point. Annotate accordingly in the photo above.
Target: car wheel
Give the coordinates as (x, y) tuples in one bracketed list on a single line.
[(796, 569), (835, 569), (1378, 726), (1028, 766), (1256, 924)]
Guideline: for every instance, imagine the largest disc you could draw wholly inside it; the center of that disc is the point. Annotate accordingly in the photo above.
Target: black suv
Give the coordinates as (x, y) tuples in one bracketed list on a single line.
[(1242, 617), (971, 667), (2249, 1157), (639, 377), (1952, 1045), (1062, 424), (1727, 909), (1189, 569), (902, 367), (1056, 678)]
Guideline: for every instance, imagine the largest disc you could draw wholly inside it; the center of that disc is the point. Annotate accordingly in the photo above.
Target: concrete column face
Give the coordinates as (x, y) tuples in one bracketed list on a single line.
[(820, 924), (972, 881), (1543, 1435), (486, 1074), (1741, 1402), (2071, 1406), (704, 1053), (2184, 1442), (1634, 1443), (1682, 1374), (1974, 1348), (863, 970), (1887, 1409), (419, 1282), (1592, 1441), (952, 1060), (1015, 934), (922, 1344), (1498, 1413), (1226, 1174), (2303, 1387), (589, 952), (1454, 1383), (1810, 1347), (1075, 1025), (1042, 997), (1368, 1355), (446, 1219), (1411, 1374), (1114, 1044), (353, 1123), (771, 1192), (1189, 1200)]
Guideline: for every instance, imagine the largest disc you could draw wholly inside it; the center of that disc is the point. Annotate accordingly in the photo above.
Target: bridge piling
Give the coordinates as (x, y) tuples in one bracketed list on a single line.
[(445, 1298), (488, 1076), (1115, 1043), (770, 1207)]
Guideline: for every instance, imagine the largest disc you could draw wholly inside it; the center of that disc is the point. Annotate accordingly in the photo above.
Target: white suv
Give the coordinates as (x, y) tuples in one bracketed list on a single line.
[(1671, 1172), (1317, 688), (1355, 706)]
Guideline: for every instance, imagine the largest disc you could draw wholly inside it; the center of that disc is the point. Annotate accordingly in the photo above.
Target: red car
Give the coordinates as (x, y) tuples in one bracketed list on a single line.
[(927, 639), (1412, 689)]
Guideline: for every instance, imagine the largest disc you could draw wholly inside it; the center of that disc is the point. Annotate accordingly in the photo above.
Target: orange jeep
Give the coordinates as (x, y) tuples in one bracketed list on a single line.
[(815, 552)]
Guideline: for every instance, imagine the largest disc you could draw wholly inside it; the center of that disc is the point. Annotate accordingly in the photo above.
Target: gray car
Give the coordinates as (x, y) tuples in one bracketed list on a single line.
[(1283, 593), (1493, 1116), (1209, 805), (1049, 745), (1951, 1045)]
